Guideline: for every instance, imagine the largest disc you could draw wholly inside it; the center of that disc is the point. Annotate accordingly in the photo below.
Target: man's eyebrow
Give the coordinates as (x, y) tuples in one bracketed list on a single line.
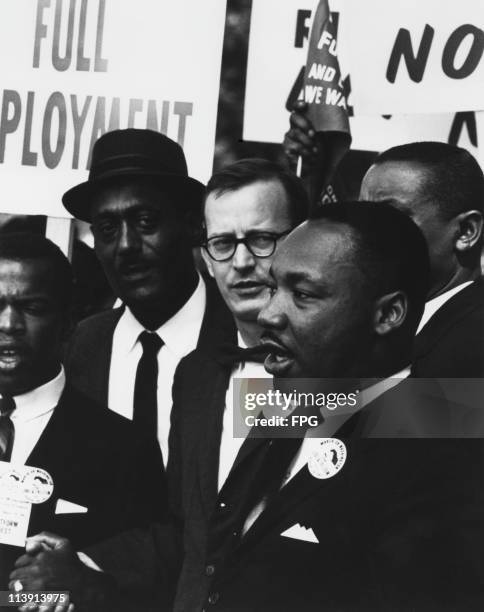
[(295, 277), (132, 210)]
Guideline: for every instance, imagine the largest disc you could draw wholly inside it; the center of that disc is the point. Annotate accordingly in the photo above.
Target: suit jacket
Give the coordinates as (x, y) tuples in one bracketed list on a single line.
[(97, 461), (398, 528), (88, 357), (451, 344)]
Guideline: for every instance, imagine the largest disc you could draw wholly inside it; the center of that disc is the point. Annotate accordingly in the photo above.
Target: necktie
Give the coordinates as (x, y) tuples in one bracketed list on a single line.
[(7, 429), (145, 403), (257, 477)]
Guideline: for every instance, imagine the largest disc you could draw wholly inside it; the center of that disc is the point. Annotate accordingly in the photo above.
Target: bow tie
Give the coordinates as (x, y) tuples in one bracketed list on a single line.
[(231, 355)]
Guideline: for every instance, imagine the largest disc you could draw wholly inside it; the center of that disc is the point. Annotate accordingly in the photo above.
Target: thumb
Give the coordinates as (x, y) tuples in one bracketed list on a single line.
[(47, 541)]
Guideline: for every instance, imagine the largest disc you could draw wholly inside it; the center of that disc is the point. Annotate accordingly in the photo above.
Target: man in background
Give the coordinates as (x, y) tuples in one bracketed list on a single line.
[(441, 187), (144, 210)]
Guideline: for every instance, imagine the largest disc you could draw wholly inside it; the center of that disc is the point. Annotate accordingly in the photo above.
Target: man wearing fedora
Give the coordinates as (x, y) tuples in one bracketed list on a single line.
[(145, 213)]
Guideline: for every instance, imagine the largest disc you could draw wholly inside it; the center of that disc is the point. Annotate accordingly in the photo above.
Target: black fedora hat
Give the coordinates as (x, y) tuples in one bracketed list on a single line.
[(135, 153)]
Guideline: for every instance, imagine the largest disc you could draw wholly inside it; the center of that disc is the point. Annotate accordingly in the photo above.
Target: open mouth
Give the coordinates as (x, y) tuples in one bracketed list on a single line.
[(10, 358), (279, 359)]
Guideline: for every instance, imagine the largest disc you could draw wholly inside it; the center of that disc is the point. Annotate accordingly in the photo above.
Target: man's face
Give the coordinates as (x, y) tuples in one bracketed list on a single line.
[(402, 185), (259, 207), (318, 322), (140, 242), (31, 326)]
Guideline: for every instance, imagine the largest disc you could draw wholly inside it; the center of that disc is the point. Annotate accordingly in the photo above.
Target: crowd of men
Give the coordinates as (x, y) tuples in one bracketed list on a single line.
[(172, 511)]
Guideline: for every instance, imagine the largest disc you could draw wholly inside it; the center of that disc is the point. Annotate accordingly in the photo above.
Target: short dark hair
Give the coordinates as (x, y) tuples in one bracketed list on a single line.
[(389, 249), (247, 171), (455, 181), (24, 246)]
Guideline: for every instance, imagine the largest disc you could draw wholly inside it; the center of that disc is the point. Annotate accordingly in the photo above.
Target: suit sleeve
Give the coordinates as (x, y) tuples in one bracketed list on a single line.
[(144, 484), (148, 559)]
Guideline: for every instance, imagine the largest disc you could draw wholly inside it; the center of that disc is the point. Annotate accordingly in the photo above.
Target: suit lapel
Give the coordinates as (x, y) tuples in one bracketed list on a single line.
[(456, 308), (52, 441), (99, 379), (51, 448), (280, 513), (209, 446), (218, 325)]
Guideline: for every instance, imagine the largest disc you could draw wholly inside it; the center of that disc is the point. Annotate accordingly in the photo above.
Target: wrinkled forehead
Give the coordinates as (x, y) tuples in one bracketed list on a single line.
[(261, 205), (25, 277)]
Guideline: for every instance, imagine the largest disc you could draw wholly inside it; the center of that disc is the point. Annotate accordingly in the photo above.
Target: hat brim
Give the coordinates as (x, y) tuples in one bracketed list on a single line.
[(185, 190)]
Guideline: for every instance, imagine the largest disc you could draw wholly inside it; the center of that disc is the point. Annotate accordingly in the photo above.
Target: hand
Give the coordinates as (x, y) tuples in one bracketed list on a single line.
[(51, 564), (300, 140)]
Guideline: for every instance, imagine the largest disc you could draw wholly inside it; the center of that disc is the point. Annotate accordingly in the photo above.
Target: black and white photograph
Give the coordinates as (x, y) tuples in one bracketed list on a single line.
[(242, 306)]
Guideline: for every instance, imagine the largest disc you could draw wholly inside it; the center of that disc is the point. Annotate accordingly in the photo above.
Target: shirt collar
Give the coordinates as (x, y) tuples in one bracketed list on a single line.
[(435, 303), (180, 333), (331, 424), (43, 399), (371, 393)]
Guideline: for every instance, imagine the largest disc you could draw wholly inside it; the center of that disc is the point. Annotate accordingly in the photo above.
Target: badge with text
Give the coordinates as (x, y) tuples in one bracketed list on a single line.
[(14, 521), (20, 487), (327, 459)]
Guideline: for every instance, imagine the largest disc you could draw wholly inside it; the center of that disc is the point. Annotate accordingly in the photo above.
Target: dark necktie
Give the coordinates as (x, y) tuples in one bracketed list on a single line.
[(257, 477), (145, 403), (7, 429)]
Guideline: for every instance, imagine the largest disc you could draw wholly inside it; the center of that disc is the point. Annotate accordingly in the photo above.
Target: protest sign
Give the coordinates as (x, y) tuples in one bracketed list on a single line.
[(73, 69), (417, 56), (323, 91), (275, 61)]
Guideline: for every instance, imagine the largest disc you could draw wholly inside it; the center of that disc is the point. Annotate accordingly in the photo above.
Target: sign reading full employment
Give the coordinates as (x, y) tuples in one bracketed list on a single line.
[(275, 62), (74, 69)]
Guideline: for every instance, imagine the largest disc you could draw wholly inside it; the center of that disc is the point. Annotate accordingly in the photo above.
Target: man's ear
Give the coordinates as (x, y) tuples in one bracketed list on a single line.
[(470, 230), (390, 312), (208, 261)]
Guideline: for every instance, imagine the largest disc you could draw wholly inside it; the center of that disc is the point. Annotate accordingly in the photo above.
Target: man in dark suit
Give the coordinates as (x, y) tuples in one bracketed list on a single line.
[(144, 210), (337, 523), (106, 477), (441, 187)]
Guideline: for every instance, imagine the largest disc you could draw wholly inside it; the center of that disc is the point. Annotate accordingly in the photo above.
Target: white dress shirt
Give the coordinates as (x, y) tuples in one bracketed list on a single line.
[(230, 445), (180, 336), (435, 303), (31, 415)]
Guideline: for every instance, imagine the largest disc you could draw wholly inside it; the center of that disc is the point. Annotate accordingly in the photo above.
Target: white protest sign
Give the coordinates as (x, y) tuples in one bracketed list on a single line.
[(417, 56), (72, 69), (277, 50)]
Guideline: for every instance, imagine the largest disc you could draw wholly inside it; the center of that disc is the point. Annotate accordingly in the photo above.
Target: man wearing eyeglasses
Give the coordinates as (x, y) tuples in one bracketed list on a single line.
[(250, 206)]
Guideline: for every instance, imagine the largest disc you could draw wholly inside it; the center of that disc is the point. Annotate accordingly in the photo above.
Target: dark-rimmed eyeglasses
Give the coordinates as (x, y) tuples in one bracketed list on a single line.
[(260, 244)]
